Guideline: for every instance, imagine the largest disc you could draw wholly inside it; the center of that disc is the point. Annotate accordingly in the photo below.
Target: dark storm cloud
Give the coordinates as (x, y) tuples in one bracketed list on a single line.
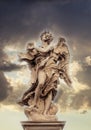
[(5, 63), (7, 67), (5, 87), (27, 20), (15, 96), (24, 20)]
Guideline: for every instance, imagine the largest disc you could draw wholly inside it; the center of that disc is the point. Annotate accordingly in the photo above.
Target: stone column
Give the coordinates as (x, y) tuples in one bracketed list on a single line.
[(47, 125)]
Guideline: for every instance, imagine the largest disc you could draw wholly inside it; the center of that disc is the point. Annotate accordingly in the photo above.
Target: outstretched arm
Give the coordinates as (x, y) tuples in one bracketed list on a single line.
[(25, 57)]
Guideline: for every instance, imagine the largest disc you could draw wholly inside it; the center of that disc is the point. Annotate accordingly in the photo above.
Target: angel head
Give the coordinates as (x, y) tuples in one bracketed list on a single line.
[(46, 37)]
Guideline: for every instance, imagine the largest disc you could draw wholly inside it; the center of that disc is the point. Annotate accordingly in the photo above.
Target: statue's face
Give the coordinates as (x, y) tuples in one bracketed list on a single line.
[(46, 37)]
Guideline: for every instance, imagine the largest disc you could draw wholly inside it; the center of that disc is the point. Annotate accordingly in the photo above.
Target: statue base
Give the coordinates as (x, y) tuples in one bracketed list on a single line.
[(39, 125)]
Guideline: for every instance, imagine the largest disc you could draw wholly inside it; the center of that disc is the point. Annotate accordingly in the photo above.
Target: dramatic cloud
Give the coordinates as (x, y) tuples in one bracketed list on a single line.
[(84, 76), (6, 66), (15, 96), (75, 67), (23, 20), (5, 88), (19, 80), (88, 60), (82, 100)]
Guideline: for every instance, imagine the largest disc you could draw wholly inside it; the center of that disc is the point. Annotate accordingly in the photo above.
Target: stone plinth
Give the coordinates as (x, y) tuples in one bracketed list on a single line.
[(51, 125)]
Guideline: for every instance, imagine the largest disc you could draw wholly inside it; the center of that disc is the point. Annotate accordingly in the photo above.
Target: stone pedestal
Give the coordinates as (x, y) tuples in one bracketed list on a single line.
[(51, 125)]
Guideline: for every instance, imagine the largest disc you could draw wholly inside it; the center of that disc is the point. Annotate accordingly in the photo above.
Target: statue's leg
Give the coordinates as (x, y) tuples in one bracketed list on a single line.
[(48, 102), (41, 81)]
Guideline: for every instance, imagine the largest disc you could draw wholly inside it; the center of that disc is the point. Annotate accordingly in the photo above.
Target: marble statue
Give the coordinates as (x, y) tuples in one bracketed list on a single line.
[(47, 64)]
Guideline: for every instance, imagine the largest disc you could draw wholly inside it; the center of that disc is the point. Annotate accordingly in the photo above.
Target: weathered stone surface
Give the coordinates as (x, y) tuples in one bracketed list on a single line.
[(52, 125)]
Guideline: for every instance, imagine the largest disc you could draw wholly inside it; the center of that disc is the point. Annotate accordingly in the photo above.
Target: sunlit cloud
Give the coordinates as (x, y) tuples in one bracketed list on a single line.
[(88, 60), (75, 67), (78, 86), (10, 107)]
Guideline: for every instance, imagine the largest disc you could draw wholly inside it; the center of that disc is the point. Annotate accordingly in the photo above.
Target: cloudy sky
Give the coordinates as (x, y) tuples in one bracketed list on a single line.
[(22, 21)]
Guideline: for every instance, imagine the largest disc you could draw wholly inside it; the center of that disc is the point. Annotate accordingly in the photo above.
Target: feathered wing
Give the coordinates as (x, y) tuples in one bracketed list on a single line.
[(64, 63)]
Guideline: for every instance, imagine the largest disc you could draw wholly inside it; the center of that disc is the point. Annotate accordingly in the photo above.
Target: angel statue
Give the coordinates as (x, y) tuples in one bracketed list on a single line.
[(47, 64)]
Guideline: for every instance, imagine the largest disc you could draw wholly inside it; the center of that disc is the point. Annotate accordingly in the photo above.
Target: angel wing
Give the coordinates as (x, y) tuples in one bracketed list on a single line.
[(64, 60)]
